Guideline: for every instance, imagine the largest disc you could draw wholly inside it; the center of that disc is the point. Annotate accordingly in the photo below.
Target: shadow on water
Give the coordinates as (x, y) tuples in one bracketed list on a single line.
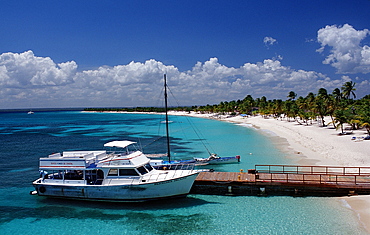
[(164, 204), (154, 217)]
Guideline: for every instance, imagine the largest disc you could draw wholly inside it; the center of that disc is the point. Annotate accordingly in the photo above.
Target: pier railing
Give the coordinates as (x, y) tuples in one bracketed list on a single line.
[(356, 176), (321, 170)]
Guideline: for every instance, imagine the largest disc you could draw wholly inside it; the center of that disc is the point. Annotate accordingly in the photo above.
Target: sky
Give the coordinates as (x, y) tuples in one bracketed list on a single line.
[(93, 53)]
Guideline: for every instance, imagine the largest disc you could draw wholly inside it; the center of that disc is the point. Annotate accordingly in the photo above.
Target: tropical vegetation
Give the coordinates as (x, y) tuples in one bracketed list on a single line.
[(340, 105)]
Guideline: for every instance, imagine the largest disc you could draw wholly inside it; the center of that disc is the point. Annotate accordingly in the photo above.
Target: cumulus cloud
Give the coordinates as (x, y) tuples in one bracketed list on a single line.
[(347, 54), (269, 41), (29, 81), (24, 70)]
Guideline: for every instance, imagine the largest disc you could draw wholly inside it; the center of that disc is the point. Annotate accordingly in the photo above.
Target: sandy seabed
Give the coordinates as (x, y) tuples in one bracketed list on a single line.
[(314, 145)]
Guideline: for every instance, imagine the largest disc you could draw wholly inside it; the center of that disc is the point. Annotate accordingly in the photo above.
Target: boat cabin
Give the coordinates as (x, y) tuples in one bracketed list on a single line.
[(95, 167)]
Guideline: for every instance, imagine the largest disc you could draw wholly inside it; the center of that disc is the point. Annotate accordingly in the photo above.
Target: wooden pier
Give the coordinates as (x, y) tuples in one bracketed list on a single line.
[(286, 180)]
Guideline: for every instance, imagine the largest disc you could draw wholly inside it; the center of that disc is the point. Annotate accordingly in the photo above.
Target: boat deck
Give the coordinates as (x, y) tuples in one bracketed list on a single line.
[(287, 180)]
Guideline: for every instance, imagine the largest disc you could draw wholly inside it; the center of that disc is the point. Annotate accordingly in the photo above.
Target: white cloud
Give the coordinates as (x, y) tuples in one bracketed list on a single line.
[(27, 81), (346, 54), (23, 70), (268, 41)]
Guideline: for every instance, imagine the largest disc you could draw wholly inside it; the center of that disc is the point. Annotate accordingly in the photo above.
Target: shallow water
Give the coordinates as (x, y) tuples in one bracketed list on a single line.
[(25, 138)]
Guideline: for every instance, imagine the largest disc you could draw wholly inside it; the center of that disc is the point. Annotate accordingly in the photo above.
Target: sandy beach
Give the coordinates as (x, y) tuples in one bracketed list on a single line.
[(314, 145)]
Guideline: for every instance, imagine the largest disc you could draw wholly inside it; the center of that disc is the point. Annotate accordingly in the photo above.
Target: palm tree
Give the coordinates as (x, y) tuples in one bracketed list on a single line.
[(310, 100), (278, 108), (321, 106), (340, 118), (303, 109), (332, 107), (247, 104), (323, 92), (364, 115), (290, 109), (292, 95), (348, 89), (337, 95)]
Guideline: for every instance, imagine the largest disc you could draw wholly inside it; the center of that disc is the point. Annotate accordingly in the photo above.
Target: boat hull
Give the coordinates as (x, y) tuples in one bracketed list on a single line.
[(126, 192), (222, 160)]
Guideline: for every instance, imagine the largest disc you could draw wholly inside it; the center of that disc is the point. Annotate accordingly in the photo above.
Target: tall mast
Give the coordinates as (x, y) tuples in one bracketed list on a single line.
[(166, 109)]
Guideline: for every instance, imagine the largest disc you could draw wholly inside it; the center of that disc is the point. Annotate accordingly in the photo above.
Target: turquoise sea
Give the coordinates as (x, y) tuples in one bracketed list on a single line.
[(25, 138)]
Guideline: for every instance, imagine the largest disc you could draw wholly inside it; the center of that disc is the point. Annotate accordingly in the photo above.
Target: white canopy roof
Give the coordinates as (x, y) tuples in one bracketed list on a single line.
[(119, 143)]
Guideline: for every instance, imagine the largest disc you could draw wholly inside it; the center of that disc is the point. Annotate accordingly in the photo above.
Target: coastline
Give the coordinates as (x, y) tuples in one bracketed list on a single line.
[(309, 145), (314, 145)]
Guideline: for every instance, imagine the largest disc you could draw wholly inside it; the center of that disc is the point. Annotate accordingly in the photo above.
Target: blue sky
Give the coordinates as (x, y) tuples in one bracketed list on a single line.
[(114, 53)]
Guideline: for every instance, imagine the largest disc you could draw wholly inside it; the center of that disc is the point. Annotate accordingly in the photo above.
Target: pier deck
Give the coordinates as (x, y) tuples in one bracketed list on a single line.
[(286, 180)]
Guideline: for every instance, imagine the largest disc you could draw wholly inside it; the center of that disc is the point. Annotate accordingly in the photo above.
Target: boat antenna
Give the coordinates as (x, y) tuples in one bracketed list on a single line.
[(166, 110)]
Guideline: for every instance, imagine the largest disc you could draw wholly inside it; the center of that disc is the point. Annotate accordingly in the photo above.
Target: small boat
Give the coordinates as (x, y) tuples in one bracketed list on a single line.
[(30, 112), (214, 159), (110, 176)]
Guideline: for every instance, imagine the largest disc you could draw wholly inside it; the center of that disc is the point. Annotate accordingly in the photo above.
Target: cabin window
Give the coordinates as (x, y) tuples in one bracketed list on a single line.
[(73, 175), (55, 175), (149, 167), (113, 172), (142, 170), (128, 172), (95, 177)]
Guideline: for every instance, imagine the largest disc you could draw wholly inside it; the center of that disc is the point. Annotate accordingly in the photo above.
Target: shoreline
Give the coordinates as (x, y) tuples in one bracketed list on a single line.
[(312, 145), (309, 145)]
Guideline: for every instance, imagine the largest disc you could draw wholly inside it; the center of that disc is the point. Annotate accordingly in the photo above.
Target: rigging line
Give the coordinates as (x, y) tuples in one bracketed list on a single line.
[(160, 134), (167, 128), (159, 117), (196, 130)]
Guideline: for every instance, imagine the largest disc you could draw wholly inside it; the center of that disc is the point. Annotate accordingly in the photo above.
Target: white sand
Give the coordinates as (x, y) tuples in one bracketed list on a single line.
[(316, 146), (322, 145)]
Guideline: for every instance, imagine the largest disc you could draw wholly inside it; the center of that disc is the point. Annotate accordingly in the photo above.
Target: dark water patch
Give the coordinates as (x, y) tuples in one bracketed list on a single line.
[(9, 213), (159, 217), (145, 222), (169, 223), (168, 204)]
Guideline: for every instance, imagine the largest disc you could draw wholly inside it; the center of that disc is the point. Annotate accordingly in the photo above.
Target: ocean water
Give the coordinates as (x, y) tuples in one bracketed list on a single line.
[(25, 138)]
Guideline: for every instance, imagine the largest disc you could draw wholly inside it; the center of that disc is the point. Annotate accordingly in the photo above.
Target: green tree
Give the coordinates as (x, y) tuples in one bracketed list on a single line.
[(321, 104), (348, 89), (364, 114), (340, 118), (302, 106), (292, 95)]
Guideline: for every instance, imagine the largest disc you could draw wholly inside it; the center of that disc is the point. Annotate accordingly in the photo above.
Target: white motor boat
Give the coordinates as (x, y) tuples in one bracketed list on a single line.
[(113, 176)]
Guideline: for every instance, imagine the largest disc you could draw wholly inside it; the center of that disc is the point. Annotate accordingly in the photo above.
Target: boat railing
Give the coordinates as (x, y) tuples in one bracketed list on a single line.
[(171, 172), (128, 180), (180, 167), (55, 155), (101, 156)]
